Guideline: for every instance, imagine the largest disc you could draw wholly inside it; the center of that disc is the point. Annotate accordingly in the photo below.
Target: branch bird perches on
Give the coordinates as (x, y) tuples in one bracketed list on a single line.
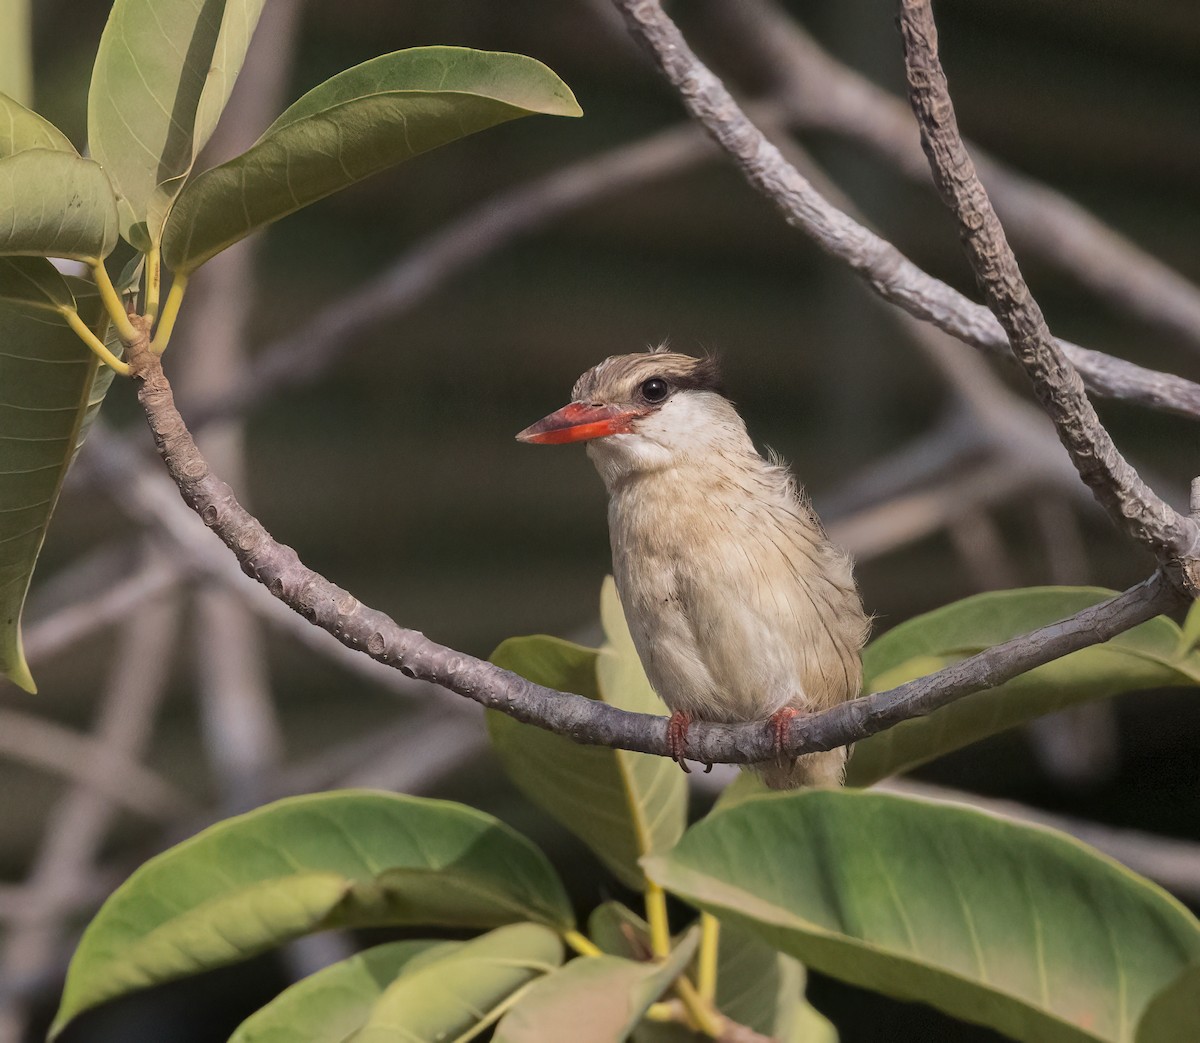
[(367, 630)]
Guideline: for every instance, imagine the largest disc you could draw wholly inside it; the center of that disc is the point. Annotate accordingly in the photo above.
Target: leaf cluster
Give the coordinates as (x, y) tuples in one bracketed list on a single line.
[(164, 71), (1010, 926)]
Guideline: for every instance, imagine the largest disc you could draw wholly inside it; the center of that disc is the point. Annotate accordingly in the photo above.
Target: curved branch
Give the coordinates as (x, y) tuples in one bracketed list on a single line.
[(372, 632), (821, 93), (91, 763), (300, 357), (1132, 505), (888, 271)]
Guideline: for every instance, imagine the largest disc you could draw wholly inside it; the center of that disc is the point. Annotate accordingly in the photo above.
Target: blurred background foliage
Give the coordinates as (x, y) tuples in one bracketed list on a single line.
[(396, 474)]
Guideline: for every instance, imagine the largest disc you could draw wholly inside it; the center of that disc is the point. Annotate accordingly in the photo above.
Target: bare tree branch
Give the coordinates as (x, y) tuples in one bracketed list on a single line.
[(81, 819), (90, 763), (243, 738), (71, 623), (1130, 503), (148, 497), (892, 275), (300, 357), (367, 630), (821, 93)]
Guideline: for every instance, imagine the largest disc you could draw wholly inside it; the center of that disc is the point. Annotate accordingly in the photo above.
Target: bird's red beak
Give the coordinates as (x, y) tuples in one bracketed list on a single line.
[(579, 422)]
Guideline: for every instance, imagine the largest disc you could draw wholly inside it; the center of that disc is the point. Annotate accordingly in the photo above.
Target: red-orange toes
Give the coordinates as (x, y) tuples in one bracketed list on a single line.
[(779, 727), (677, 731)]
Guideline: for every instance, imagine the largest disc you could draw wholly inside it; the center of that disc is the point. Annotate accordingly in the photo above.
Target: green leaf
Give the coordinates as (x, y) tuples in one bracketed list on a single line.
[(21, 129), (164, 71), (1174, 1014), (619, 931), (353, 858), (455, 996), (1018, 928), (1148, 656), (34, 283), (622, 805), (359, 122), (596, 999), (334, 1003), (756, 985), (51, 387), (740, 790), (1189, 638), (54, 204), (810, 1026)]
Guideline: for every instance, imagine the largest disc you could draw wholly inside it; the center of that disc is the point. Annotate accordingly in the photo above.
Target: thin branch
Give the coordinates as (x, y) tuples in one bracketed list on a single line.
[(364, 629), (90, 763), (892, 275), (821, 93), (243, 738), (1131, 504), (80, 821), (907, 517), (148, 497), (71, 623), (300, 357)]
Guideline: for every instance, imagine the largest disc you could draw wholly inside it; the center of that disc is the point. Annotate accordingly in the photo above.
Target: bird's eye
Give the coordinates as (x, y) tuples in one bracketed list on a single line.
[(655, 389)]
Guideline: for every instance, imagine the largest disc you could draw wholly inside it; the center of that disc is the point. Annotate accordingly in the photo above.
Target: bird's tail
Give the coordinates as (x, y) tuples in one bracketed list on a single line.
[(826, 769)]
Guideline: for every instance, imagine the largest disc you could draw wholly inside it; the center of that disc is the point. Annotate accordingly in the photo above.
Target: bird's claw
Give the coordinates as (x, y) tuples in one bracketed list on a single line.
[(779, 722), (677, 730)]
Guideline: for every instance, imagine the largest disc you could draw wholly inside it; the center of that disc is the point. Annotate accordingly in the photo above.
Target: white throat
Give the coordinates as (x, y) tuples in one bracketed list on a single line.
[(690, 429)]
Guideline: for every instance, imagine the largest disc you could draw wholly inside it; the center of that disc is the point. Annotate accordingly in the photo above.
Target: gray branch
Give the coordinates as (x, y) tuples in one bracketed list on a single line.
[(892, 275), (1131, 504), (821, 93), (370, 631)]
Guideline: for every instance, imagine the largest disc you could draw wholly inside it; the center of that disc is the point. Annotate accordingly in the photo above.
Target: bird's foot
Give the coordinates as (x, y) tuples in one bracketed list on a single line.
[(677, 730), (779, 722)]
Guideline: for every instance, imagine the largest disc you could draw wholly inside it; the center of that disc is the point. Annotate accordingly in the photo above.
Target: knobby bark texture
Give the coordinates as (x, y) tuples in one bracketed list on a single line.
[(888, 271), (1130, 503), (821, 93), (372, 632)]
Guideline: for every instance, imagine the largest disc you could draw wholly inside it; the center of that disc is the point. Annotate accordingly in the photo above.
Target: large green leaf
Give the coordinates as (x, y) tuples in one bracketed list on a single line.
[(164, 71), (1148, 656), (596, 999), (357, 123), (351, 858), (622, 805), (33, 284), (1018, 928), (55, 204), (453, 997), (1174, 1014), (335, 1002), (21, 129), (51, 387)]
